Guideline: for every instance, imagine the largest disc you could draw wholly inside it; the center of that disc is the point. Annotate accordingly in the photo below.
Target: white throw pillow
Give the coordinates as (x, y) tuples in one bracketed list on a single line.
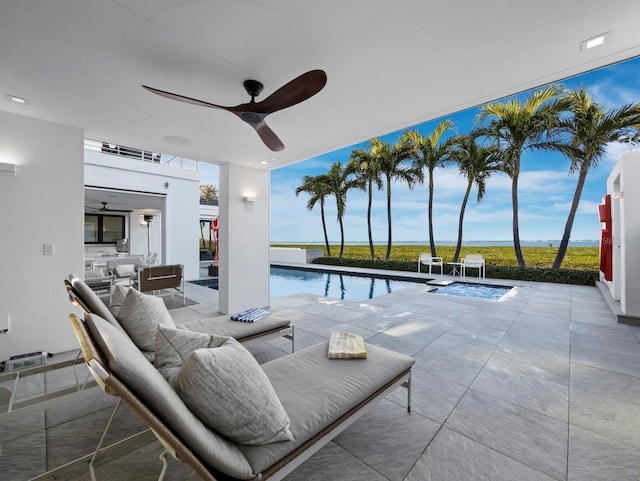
[(93, 273), (229, 392), (140, 315), (125, 270), (173, 346)]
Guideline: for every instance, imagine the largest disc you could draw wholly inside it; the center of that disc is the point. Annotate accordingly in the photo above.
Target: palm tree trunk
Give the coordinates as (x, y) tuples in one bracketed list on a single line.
[(324, 229), (341, 236), (514, 202), (388, 255), (460, 220), (432, 243), (371, 250), (564, 243)]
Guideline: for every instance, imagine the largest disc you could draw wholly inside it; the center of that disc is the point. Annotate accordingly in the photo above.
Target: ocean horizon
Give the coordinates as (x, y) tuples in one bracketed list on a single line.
[(474, 243)]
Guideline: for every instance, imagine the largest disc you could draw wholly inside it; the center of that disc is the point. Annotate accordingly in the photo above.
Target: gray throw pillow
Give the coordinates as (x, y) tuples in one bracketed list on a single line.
[(140, 315), (173, 346), (119, 295), (230, 393)]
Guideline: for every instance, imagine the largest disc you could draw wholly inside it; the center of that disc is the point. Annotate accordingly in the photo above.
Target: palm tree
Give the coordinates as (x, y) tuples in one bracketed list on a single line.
[(590, 129), (476, 162), (392, 162), (429, 152), (318, 190), (339, 180), (367, 168), (518, 127)]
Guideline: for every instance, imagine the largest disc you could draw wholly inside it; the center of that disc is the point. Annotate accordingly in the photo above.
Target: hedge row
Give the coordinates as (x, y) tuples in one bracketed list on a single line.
[(536, 274)]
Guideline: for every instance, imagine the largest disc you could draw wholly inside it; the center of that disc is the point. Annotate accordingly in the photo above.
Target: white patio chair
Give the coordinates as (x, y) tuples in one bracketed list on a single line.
[(427, 259), (473, 261)]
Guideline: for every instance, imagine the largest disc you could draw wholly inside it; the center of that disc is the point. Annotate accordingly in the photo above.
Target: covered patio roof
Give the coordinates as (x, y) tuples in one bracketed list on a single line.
[(390, 65)]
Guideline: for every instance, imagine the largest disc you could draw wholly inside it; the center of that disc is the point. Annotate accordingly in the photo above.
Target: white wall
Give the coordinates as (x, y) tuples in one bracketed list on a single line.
[(174, 234), (43, 203), (244, 239), (625, 205)]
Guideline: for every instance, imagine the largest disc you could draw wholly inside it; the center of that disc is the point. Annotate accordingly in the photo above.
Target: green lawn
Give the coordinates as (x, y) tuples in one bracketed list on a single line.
[(582, 258)]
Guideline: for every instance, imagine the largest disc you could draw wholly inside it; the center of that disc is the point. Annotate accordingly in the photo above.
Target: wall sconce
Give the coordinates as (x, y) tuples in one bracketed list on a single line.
[(617, 194), (8, 169), (249, 199)]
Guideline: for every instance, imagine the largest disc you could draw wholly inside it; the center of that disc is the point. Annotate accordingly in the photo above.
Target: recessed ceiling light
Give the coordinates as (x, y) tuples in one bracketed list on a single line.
[(593, 42), (265, 162), (16, 99)]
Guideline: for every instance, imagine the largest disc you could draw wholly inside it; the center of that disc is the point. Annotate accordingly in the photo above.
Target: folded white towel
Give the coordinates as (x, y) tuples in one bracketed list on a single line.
[(346, 345)]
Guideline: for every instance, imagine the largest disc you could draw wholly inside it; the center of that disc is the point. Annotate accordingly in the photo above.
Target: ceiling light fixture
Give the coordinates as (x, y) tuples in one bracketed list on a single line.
[(264, 162), (16, 99), (593, 42)]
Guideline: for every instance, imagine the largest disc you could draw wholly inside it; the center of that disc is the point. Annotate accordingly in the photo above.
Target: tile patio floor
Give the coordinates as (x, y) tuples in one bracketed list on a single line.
[(541, 386)]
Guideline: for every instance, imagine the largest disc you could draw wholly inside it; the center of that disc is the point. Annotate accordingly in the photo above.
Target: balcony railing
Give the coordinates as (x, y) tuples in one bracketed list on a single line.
[(139, 154)]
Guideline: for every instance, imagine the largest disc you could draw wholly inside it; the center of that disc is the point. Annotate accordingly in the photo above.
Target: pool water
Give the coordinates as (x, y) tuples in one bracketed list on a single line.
[(287, 281), (284, 282), (467, 289)]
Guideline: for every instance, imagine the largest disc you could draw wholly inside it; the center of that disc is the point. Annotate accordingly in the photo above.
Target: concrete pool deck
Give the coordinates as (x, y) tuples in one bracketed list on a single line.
[(544, 385)]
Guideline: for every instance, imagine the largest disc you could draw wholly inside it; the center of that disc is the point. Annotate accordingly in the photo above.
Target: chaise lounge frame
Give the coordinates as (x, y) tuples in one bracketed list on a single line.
[(175, 446)]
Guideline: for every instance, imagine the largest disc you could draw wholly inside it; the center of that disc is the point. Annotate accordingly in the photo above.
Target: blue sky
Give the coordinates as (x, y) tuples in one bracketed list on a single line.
[(545, 188)]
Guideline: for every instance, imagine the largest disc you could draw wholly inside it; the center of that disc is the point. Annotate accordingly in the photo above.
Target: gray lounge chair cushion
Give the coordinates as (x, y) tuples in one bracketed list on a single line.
[(223, 326), (140, 315), (316, 391), (92, 300), (94, 273), (173, 346), (226, 388), (129, 365)]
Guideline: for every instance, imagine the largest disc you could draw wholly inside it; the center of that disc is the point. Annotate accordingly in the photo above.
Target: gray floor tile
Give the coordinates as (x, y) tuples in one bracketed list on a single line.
[(607, 384), (405, 346), (464, 347), (389, 439), (530, 438), (620, 332), (431, 396), (604, 357), (333, 462), (453, 457), (449, 367), (597, 458), (530, 392), (606, 415), (24, 457)]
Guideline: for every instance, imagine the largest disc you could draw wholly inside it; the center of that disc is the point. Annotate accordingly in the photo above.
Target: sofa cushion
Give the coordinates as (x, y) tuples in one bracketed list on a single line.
[(124, 270), (94, 273), (173, 346), (140, 315), (226, 388), (132, 369)]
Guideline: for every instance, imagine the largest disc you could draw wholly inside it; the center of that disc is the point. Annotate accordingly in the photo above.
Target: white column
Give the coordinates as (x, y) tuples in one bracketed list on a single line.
[(243, 239)]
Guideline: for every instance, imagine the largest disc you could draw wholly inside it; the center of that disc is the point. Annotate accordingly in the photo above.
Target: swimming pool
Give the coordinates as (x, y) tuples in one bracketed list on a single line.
[(284, 281)]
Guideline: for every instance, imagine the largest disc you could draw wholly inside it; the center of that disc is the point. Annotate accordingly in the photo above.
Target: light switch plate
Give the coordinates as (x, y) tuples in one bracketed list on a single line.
[(49, 249)]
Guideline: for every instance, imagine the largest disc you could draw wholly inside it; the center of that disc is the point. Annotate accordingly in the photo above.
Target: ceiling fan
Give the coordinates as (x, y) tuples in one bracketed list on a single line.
[(254, 113), (105, 209)]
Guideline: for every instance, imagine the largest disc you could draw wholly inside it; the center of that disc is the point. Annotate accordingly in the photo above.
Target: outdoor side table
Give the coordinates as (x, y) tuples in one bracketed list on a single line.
[(456, 268)]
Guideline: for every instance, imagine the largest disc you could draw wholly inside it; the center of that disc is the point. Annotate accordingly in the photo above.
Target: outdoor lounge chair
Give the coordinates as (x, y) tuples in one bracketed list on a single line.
[(473, 261), (321, 397), (269, 327), (155, 278), (427, 259)]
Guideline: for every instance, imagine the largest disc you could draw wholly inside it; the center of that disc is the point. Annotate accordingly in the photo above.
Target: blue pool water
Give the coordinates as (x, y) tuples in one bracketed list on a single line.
[(286, 281), (467, 289)]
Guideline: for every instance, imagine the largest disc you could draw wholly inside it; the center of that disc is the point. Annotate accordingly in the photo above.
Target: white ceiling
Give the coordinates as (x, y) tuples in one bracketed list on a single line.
[(390, 64)]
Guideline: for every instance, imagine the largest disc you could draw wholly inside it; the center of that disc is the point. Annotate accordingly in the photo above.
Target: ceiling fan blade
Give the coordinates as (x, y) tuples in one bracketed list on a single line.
[(298, 90), (182, 98), (268, 136)]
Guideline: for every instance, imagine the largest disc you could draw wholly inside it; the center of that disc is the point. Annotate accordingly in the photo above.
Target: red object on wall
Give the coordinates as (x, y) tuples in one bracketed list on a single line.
[(606, 238)]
